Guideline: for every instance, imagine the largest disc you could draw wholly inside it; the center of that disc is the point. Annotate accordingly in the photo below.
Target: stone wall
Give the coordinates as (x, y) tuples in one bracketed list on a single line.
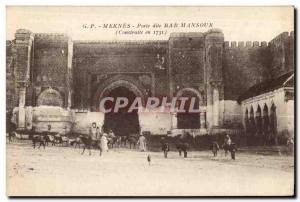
[(97, 63), (50, 54), (217, 72), (248, 63), (61, 120), (83, 121), (11, 95), (282, 54), (187, 62), (244, 65), (284, 109)]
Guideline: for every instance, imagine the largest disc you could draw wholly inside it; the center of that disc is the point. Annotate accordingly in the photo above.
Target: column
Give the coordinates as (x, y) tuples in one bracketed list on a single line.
[(215, 107), (22, 113), (69, 76), (89, 80), (209, 110), (24, 40)]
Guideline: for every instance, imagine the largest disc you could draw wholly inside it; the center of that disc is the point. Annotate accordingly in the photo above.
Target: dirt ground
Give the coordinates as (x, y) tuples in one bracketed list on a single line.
[(63, 171)]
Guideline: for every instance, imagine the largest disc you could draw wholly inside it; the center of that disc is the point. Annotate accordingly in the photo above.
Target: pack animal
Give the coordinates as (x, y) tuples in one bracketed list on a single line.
[(38, 139), (89, 144)]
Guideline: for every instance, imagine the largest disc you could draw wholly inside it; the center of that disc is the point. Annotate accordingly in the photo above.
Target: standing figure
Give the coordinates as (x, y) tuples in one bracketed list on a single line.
[(165, 147), (142, 143), (103, 142), (111, 134), (149, 159), (227, 143), (10, 127), (290, 145), (227, 140), (94, 131), (215, 148), (98, 133)]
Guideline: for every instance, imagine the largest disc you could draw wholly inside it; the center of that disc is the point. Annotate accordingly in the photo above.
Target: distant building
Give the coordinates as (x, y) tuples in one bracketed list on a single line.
[(246, 86)]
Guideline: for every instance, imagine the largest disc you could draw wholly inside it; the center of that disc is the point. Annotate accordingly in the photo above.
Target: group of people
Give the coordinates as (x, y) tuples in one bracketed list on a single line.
[(96, 134), (182, 146)]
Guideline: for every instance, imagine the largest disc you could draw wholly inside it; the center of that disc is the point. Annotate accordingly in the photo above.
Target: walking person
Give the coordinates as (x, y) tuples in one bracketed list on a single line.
[(165, 147), (227, 143), (142, 143), (227, 140), (215, 148)]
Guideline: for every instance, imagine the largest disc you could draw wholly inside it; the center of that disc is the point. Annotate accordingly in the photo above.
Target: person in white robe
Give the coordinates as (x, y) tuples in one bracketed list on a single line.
[(103, 142), (142, 143)]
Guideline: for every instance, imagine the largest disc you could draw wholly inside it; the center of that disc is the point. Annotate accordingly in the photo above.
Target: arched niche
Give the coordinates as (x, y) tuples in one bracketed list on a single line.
[(50, 97)]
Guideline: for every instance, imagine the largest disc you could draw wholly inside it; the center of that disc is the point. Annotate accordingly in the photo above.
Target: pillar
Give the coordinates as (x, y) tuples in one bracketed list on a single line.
[(24, 40), (209, 110), (216, 107), (69, 76), (214, 42), (22, 113)]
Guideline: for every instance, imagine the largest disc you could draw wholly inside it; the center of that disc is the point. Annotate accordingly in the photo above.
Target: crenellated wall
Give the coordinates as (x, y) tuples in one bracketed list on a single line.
[(244, 65), (248, 63), (282, 54), (47, 67)]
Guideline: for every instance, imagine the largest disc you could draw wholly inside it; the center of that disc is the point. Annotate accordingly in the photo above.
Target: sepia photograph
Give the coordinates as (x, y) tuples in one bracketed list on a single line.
[(157, 101)]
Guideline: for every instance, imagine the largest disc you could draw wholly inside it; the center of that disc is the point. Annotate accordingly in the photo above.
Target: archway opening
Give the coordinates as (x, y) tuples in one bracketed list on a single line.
[(121, 122), (189, 119)]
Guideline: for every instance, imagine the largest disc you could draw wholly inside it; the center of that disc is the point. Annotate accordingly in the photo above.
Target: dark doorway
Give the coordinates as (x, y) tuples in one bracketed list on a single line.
[(189, 120), (121, 122)]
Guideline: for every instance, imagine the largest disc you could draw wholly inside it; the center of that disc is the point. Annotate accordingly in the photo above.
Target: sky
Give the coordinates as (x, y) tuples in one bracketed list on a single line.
[(237, 23)]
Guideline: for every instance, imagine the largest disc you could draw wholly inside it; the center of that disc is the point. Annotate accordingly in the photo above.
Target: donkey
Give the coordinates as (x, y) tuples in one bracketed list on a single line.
[(38, 139), (132, 140), (50, 138), (89, 144)]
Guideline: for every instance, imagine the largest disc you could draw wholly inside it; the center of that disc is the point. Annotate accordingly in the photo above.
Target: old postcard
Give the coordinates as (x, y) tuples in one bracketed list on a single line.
[(150, 101)]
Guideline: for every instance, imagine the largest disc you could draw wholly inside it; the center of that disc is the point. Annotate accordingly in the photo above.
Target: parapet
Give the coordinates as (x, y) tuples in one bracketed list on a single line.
[(248, 44), (281, 38), (51, 36), (242, 44), (187, 34)]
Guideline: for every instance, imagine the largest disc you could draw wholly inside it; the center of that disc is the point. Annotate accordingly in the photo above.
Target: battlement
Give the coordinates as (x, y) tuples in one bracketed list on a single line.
[(51, 37), (281, 38), (242, 44), (249, 44), (121, 42)]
